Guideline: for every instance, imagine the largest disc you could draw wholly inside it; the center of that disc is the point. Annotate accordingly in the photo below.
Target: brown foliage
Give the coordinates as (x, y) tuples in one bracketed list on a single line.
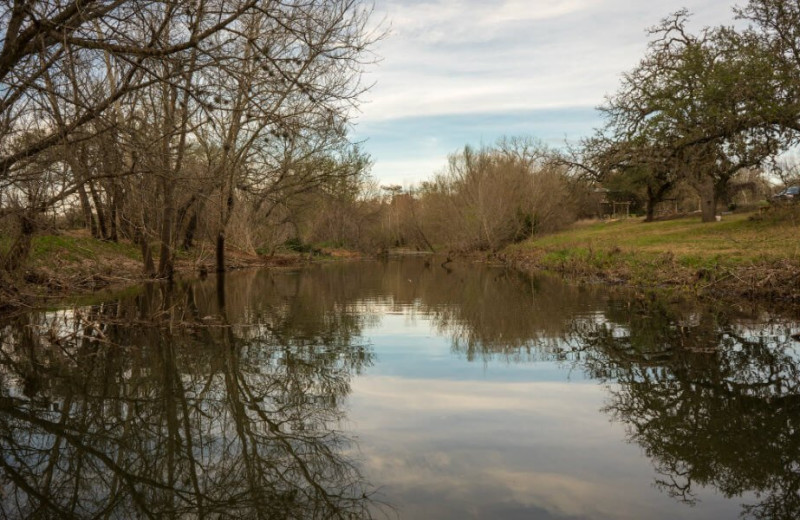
[(491, 197)]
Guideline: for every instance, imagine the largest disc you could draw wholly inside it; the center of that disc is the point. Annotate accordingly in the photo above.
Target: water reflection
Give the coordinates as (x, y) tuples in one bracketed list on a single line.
[(712, 402), (235, 403), (195, 410), (711, 393)]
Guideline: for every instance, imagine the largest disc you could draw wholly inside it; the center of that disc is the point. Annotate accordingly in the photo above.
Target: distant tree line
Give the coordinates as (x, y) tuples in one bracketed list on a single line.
[(485, 199)]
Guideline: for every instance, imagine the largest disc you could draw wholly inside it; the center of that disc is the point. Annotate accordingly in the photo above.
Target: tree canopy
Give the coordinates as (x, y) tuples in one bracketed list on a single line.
[(702, 107)]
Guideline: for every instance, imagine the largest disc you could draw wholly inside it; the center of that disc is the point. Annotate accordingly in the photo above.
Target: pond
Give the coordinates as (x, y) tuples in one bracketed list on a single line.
[(399, 389)]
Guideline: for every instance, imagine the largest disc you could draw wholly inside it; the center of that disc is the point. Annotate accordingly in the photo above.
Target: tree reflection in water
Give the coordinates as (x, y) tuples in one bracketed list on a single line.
[(173, 406), (711, 395), (712, 403), (185, 403)]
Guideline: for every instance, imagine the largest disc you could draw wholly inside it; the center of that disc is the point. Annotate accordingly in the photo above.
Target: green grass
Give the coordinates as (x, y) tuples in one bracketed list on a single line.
[(673, 252), (45, 248)]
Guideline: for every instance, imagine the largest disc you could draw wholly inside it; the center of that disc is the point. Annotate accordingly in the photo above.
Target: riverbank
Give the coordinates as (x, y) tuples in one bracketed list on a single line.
[(72, 264), (753, 255)]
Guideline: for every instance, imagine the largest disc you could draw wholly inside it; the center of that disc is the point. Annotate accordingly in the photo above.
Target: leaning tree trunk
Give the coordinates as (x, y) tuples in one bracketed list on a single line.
[(98, 207), (193, 207), (189, 232)]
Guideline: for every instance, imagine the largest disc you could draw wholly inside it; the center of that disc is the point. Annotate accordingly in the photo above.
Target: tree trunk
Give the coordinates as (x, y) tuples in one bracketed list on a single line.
[(77, 163), (708, 200), (147, 258), (190, 228), (113, 211), (86, 207), (650, 209), (225, 215), (124, 229), (221, 252), (98, 208), (188, 235), (166, 265), (147, 255), (654, 196)]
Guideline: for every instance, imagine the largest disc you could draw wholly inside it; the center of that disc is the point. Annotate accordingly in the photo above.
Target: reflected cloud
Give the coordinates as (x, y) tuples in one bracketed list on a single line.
[(447, 449)]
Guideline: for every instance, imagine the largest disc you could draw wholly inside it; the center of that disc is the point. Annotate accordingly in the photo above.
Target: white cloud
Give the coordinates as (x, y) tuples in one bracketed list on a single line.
[(468, 56), (516, 10), (461, 449), (496, 60), (409, 172)]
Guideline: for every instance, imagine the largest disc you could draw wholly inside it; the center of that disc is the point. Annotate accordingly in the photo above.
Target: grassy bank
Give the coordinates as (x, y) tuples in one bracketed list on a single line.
[(72, 263), (754, 255)]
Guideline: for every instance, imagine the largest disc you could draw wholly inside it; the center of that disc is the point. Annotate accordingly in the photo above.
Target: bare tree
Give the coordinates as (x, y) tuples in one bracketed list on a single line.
[(42, 35), (284, 93), (136, 88)]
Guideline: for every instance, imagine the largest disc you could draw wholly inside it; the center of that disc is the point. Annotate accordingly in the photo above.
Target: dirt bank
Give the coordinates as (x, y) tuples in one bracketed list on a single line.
[(769, 281)]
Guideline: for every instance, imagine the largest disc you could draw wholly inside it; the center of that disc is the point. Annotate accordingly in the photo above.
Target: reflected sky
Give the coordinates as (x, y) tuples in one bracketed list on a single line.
[(450, 438), (409, 346)]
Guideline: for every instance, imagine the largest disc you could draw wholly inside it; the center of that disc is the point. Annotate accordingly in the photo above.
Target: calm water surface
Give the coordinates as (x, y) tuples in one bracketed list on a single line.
[(398, 390)]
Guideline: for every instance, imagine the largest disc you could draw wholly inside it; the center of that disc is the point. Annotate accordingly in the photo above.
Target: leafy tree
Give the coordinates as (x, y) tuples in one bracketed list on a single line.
[(632, 166), (776, 26), (698, 108)]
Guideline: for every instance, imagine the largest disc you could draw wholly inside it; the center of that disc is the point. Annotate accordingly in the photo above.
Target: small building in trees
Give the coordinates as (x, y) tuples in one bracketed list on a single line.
[(613, 204)]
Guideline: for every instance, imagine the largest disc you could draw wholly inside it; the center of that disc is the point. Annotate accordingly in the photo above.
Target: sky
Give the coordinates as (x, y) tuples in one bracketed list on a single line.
[(458, 72)]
